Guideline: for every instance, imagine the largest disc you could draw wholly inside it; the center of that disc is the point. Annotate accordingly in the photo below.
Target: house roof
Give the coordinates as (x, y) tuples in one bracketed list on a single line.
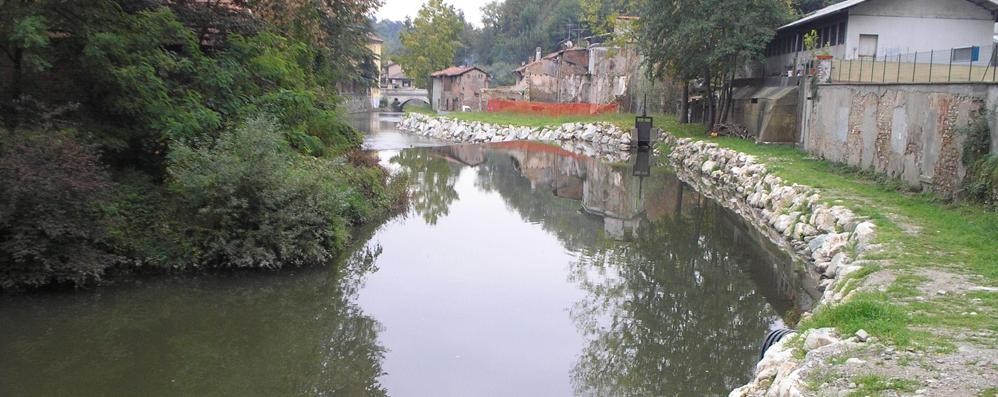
[(456, 71), (550, 57), (989, 5)]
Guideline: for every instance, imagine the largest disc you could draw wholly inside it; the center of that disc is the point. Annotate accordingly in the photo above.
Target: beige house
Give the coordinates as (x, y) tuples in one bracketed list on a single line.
[(375, 43)]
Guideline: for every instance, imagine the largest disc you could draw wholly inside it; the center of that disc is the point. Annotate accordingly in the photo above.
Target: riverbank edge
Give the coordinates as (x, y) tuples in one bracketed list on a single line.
[(595, 139), (830, 240)]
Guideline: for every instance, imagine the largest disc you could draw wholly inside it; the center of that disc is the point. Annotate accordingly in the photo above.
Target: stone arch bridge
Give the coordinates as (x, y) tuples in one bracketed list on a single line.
[(406, 95)]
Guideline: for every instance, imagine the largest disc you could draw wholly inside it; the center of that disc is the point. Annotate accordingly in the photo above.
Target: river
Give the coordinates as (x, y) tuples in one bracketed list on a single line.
[(521, 269)]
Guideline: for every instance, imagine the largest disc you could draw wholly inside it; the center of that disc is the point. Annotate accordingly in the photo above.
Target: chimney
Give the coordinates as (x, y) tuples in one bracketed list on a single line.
[(537, 54)]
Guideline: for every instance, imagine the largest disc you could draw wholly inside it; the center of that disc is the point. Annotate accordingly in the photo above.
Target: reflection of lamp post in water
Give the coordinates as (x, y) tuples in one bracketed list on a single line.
[(642, 168)]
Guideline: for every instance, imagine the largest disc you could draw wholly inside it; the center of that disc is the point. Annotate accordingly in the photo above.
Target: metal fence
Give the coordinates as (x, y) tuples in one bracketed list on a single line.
[(967, 64)]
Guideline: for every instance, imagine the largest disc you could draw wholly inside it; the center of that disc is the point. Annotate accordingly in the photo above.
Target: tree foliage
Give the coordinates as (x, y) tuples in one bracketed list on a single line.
[(51, 226), (431, 40), (709, 39), (160, 89)]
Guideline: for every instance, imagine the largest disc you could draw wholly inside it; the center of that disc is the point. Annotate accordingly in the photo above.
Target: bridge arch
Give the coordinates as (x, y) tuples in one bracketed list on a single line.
[(416, 100)]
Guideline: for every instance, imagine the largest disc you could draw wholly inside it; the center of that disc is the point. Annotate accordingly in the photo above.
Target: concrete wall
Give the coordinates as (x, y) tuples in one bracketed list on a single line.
[(919, 25), (909, 131), (769, 113), (611, 70)]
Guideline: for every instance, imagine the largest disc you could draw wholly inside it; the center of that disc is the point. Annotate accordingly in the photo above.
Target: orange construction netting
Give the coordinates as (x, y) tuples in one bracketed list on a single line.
[(550, 109)]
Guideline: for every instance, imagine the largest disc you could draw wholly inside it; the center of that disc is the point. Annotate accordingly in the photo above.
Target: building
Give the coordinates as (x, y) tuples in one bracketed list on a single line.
[(375, 44), (557, 77), (885, 29), (458, 86), (393, 76)]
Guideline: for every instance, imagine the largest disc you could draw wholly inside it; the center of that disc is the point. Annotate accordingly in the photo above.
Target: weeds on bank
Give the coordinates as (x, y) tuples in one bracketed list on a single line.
[(872, 385), (867, 311)]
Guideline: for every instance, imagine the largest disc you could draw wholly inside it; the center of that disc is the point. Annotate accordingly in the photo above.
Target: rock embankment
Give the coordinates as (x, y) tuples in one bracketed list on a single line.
[(589, 138), (828, 238)]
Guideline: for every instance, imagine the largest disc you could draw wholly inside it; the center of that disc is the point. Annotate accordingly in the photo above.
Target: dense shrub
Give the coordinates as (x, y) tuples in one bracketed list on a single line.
[(51, 225), (253, 202), (981, 182)]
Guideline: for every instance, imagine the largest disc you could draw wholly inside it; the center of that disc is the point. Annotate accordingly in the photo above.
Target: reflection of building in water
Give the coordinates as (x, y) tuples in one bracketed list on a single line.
[(467, 154), (607, 191)]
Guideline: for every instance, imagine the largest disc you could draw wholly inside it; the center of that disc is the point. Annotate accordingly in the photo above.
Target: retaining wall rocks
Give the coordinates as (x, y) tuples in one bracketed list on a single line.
[(595, 139), (828, 238)]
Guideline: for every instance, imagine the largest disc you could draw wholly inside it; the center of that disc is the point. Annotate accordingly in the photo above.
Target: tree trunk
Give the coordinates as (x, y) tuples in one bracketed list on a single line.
[(730, 99), (684, 108), (15, 78), (708, 97)]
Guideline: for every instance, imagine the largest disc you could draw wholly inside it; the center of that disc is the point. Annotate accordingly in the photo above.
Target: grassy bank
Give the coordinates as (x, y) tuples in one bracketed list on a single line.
[(929, 245)]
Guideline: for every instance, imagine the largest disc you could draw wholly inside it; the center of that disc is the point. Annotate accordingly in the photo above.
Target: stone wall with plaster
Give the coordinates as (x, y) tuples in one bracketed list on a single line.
[(907, 131)]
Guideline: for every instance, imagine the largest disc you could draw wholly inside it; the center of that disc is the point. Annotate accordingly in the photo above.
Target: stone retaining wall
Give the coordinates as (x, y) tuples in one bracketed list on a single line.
[(594, 139), (828, 239)]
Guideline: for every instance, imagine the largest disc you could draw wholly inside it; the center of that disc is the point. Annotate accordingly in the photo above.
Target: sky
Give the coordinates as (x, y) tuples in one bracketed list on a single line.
[(399, 9)]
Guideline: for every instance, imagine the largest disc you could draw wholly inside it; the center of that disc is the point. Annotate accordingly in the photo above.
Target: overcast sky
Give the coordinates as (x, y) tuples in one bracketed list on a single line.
[(399, 9)]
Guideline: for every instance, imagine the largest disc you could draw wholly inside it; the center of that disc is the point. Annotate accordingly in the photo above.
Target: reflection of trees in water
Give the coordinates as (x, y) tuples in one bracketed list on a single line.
[(676, 315), (243, 334), (432, 181), (559, 216), (672, 312)]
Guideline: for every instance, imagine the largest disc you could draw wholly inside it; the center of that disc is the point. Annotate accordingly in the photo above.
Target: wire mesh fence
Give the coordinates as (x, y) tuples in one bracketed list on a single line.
[(967, 64)]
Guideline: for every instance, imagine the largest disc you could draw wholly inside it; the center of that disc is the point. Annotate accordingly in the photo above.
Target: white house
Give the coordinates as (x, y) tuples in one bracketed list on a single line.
[(865, 29)]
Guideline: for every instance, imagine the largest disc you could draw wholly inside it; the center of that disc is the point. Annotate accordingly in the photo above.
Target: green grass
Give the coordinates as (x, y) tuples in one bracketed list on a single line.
[(867, 311), (872, 385)]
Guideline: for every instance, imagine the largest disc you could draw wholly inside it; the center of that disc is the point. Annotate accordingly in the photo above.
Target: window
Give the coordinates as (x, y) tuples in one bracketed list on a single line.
[(867, 45), (967, 54), (842, 33)]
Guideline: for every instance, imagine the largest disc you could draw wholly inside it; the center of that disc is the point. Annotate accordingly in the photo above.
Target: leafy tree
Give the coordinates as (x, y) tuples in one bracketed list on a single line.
[(51, 226), (389, 31), (806, 6), (256, 204), (601, 15), (513, 29), (431, 39), (708, 39)]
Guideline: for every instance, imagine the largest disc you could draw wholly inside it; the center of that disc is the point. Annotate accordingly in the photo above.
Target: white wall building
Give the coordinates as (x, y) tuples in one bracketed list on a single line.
[(867, 29)]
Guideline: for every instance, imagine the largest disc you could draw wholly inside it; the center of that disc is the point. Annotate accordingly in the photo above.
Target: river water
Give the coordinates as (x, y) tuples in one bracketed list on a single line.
[(521, 270)]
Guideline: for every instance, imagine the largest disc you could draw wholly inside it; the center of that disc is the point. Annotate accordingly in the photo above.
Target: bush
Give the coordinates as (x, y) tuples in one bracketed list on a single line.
[(253, 202), (51, 225), (981, 182)]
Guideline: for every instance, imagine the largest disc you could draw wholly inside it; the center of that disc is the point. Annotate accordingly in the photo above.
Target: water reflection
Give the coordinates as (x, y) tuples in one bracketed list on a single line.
[(678, 291), (529, 270), (258, 334)]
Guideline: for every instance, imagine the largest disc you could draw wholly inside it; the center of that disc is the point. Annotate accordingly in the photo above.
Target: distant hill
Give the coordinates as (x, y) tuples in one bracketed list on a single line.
[(389, 31)]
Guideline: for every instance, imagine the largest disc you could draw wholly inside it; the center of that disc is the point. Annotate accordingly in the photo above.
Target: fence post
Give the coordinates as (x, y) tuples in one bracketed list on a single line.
[(932, 55), (860, 70), (914, 67), (970, 74), (949, 74), (993, 67), (883, 75), (849, 77), (899, 68)]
